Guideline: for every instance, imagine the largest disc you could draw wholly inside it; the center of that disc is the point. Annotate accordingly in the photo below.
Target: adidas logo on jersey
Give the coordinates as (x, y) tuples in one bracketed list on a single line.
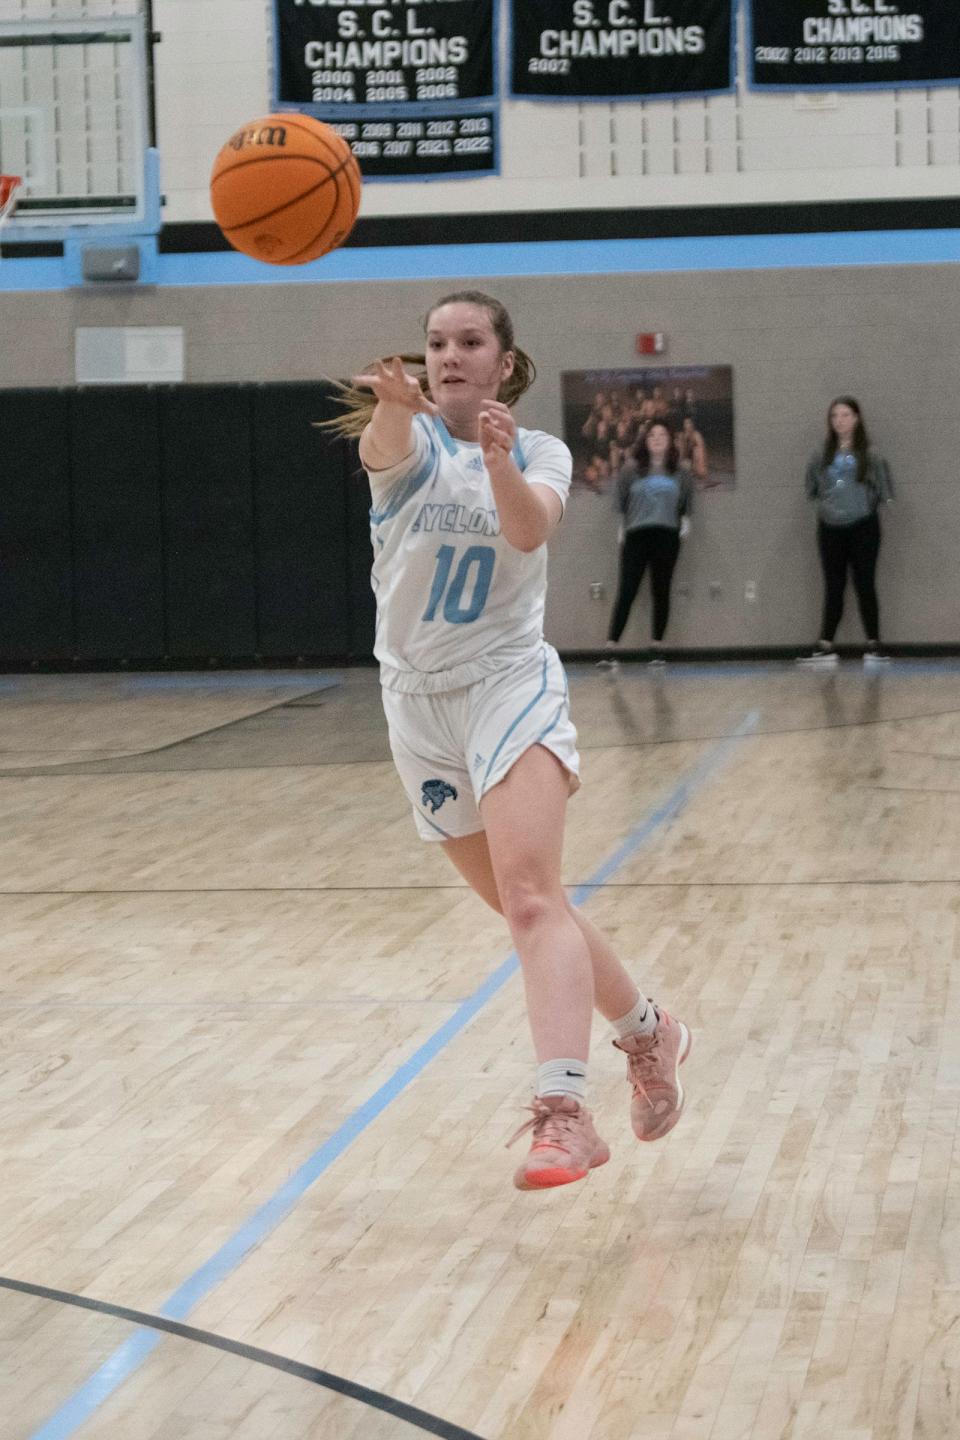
[(475, 464), (479, 759)]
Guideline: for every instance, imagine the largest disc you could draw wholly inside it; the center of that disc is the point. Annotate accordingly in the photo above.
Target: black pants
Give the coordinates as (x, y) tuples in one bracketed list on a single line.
[(658, 546), (855, 547)]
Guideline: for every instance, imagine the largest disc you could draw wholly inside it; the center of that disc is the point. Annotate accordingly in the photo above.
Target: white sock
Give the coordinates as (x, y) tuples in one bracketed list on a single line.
[(563, 1077), (641, 1020)]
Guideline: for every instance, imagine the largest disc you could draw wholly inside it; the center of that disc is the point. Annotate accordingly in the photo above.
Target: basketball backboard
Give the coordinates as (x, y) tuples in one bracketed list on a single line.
[(73, 125)]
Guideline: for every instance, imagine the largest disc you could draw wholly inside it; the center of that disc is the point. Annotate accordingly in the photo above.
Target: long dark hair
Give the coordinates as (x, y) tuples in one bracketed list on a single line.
[(861, 440), (641, 454), (359, 404)]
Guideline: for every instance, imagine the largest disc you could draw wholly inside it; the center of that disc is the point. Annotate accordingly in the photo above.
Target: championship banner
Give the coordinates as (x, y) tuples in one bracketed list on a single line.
[(333, 57), (620, 49), (420, 149), (811, 44)]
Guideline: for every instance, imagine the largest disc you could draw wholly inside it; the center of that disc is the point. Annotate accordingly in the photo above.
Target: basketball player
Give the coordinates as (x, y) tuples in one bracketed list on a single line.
[(476, 701)]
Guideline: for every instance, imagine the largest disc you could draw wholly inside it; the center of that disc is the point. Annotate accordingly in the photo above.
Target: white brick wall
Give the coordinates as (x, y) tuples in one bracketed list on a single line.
[(213, 72)]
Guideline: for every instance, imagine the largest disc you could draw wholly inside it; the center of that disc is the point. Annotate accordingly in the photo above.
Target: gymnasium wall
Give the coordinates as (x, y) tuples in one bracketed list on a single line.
[(794, 337)]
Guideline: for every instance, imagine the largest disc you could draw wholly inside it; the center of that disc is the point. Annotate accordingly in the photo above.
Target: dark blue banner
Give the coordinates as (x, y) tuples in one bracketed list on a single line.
[(620, 49), (866, 44), (332, 58)]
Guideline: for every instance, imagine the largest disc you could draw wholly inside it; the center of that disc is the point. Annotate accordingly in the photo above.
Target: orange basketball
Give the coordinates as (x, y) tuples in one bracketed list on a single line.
[(285, 189)]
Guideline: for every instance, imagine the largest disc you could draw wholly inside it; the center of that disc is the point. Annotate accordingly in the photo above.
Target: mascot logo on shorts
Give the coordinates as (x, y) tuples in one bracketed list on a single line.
[(434, 793)]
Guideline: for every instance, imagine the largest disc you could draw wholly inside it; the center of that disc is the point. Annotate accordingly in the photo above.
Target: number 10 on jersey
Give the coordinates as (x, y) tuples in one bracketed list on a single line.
[(476, 566)]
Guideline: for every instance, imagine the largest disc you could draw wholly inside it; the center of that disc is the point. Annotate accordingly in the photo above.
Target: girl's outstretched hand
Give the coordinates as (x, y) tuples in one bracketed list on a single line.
[(392, 385), (498, 430)]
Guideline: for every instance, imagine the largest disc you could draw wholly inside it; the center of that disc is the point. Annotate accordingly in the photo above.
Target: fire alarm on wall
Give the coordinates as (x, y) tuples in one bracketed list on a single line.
[(652, 342)]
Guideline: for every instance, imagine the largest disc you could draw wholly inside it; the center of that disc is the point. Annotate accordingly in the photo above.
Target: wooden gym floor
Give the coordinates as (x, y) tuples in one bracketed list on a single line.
[(261, 1052)]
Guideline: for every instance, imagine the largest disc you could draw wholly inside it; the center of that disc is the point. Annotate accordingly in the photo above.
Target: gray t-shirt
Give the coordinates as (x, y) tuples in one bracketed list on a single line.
[(841, 498), (653, 499)]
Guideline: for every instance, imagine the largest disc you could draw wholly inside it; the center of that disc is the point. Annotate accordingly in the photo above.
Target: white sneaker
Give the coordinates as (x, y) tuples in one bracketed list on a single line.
[(873, 661), (820, 660), (657, 661), (612, 667)]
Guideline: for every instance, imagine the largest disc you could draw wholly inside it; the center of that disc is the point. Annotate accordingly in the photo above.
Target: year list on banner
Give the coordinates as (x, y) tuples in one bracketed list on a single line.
[(423, 148)]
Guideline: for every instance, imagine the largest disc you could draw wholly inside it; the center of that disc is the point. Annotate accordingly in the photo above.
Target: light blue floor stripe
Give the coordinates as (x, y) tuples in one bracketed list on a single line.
[(672, 806), (541, 257), (131, 1354)]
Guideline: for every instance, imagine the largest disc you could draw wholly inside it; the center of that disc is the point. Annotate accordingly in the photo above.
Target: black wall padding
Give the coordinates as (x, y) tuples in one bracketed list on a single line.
[(180, 523), (208, 541), (118, 570), (301, 525), (36, 620)]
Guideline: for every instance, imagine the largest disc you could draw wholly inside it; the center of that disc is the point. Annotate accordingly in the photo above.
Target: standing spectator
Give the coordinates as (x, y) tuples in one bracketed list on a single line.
[(654, 497), (849, 481)]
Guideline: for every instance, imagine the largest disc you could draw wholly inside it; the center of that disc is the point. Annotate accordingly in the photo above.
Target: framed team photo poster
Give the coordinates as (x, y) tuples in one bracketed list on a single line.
[(606, 413)]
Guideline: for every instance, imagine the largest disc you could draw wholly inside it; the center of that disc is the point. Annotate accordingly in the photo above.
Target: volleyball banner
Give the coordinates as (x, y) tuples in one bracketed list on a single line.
[(815, 44), (382, 53), (620, 49)]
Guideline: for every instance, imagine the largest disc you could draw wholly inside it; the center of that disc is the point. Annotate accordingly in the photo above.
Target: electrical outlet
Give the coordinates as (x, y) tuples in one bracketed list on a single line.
[(750, 591), (596, 590)]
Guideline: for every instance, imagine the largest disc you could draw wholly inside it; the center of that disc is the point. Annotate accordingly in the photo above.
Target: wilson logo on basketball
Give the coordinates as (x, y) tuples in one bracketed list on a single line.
[(267, 135)]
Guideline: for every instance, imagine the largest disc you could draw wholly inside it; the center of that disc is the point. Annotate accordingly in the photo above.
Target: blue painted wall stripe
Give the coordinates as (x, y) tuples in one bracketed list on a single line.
[(556, 257)]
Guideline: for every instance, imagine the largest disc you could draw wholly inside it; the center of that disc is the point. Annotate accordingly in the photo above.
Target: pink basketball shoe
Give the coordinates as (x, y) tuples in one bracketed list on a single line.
[(653, 1070), (565, 1144)]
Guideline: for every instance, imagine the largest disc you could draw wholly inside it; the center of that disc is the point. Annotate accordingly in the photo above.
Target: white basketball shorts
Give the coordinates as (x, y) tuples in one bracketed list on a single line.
[(451, 748)]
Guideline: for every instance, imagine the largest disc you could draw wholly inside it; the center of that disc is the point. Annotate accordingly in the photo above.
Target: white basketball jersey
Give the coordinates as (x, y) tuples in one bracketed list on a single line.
[(455, 600)]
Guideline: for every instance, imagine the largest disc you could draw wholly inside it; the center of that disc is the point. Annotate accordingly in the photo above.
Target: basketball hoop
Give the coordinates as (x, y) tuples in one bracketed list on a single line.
[(9, 185)]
